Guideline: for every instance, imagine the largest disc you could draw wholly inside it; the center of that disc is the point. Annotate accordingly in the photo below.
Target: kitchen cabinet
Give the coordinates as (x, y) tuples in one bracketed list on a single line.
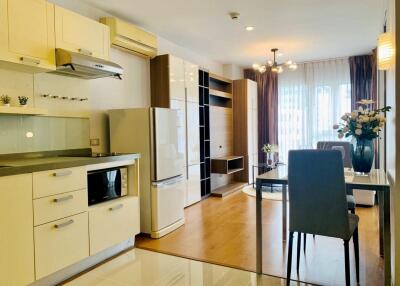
[(59, 206), (16, 238), (245, 126), (76, 33), (61, 243), (113, 222), (53, 182), (27, 33), (175, 84)]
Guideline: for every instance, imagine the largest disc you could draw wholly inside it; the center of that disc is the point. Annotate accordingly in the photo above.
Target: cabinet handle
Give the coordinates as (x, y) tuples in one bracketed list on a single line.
[(64, 224), (62, 173), (63, 199), (30, 60), (120, 206), (85, 52)]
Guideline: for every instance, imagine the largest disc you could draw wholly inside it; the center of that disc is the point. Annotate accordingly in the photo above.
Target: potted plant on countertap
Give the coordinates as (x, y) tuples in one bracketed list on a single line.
[(23, 101), (5, 99)]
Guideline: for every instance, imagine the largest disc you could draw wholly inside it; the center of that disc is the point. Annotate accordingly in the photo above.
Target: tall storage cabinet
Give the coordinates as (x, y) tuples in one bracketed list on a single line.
[(245, 126), (174, 84)]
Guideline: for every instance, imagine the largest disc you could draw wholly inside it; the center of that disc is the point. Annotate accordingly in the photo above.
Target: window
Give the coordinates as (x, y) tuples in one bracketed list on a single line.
[(310, 100)]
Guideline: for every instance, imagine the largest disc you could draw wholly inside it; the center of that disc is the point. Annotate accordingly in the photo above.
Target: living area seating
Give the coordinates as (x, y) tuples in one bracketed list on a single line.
[(318, 203)]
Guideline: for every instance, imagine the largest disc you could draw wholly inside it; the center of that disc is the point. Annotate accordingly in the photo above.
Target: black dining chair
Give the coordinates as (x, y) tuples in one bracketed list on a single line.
[(318, 202)]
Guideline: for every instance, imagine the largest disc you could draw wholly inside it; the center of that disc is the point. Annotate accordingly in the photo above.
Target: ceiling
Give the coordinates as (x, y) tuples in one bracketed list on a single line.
[(304, 30)]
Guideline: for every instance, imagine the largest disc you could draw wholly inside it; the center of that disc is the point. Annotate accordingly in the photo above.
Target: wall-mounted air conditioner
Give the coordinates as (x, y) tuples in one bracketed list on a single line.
[(130, 38)]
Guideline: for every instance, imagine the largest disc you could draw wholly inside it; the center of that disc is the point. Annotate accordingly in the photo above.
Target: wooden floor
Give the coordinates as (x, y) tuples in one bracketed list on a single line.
[(222, 231)]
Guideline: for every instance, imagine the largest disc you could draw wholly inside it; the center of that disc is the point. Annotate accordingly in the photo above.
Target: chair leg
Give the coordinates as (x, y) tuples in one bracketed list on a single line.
[(298, 250), (289, 260), (353, 211), (305, 242), (347, 262), (356, 254)]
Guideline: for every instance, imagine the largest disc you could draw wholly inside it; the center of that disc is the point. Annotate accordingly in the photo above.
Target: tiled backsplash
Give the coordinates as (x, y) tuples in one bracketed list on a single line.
[(20, 134)]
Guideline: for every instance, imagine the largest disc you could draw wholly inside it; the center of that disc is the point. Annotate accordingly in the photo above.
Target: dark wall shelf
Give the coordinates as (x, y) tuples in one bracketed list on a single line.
[(204, 117)]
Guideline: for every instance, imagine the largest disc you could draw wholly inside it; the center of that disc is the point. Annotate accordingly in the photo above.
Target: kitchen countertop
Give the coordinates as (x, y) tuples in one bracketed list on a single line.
[(9, 166)]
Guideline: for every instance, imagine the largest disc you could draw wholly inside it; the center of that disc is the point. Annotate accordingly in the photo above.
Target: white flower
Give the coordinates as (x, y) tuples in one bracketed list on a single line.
[(346, 129), (371, 113), (360, 109), (354, 114), (366, 101), (376, 129), (344, 117), (358, 131), (335, 126), (340, 135), (359, 126)]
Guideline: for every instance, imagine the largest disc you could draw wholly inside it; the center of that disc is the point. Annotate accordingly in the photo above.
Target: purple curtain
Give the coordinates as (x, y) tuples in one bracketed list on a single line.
[(363, 78), (267, 83)]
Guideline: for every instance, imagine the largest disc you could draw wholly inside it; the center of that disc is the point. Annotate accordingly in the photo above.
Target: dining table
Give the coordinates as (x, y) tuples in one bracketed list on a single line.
[(376, 180)]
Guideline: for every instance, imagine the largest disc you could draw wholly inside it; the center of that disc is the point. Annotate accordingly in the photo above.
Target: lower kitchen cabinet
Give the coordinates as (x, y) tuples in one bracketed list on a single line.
[(61, 243), (16, 237), (113, 222)]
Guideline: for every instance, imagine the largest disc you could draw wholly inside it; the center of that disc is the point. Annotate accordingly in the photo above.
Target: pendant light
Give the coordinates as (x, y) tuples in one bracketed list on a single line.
[(275, 67)]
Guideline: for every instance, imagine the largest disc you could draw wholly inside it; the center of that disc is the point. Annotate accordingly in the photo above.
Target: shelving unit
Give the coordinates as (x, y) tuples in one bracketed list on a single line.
[(227, 165), (220, 91), (204, 114), (22, 110)]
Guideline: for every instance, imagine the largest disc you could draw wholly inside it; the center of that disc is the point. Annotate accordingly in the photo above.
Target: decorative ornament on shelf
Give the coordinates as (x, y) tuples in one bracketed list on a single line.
[(274, 66), (364, 126), (5, 99), (23, 101), (270, 150)]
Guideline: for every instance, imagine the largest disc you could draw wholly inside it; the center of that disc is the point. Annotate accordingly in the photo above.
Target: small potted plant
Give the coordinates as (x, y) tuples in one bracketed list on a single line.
[(5, 99), (23, 101)]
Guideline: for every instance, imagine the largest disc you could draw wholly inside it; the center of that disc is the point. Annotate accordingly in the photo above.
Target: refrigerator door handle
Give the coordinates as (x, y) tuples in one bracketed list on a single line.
[(168, 182)]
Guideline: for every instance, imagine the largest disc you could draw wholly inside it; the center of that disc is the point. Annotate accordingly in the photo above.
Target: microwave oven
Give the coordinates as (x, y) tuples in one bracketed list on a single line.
[(107, 184)]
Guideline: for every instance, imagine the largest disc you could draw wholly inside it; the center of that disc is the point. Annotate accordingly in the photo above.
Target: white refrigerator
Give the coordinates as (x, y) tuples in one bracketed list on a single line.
[(153, 133)]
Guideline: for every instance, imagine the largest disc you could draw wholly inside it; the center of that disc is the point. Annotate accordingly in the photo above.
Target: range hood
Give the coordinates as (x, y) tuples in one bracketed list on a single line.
[(85, 66)]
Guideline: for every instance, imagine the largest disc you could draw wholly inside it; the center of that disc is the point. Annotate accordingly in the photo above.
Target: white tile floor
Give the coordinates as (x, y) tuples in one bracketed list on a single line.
[(146, 268)]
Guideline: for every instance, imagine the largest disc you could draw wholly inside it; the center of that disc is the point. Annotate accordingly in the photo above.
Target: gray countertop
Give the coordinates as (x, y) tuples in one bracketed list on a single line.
[(10, 166)]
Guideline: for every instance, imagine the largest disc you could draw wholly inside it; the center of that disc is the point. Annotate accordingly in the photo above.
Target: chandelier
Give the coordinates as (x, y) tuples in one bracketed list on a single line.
[(275, 67)]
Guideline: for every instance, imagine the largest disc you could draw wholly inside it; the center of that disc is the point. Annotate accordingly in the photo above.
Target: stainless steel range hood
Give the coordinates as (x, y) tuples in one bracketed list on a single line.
[(85, 66)]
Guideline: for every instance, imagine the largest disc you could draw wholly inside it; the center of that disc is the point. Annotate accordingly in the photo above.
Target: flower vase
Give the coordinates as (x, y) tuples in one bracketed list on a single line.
[(363, 152), (269, 159)]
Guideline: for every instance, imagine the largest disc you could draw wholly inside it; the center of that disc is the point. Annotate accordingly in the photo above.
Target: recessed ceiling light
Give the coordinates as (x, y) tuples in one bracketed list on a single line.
[(249, 28)]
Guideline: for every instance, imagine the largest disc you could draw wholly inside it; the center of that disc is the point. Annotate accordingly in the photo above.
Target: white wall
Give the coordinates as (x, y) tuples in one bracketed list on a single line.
[(103, 94), (232, 71), (393, 148)]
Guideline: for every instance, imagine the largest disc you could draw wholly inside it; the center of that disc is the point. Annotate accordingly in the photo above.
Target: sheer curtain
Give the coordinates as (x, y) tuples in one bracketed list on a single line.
[(310, 100)]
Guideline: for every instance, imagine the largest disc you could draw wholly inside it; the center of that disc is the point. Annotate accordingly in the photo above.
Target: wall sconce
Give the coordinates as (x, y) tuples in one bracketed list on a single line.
[(386, 51)]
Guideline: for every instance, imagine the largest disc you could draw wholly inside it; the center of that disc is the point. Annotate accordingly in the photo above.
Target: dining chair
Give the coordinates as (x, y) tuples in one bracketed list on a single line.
[(318, 202)]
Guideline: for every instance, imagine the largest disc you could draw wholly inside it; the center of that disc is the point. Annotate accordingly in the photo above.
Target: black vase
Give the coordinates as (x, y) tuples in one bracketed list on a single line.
[(363, 152)]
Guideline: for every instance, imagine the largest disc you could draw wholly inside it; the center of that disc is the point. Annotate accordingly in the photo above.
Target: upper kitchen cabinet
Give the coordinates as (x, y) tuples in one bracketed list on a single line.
[(77, 33), (27, 34), (192, 82)]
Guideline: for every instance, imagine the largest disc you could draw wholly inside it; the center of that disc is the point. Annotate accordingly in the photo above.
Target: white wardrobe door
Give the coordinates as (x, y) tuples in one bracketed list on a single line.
[(193, 133), (176, 78), (193, 193)]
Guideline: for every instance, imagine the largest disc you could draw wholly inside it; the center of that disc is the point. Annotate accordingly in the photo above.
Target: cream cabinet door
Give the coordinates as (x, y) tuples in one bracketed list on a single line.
[(80, 34), (113, 222), (192, 82), (61, 243), (176, 78), (193, 133), (28, 26), (16, 238)]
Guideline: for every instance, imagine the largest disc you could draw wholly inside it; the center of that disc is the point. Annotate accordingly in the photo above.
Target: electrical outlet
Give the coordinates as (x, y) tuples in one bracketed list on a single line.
[(95, 142)]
